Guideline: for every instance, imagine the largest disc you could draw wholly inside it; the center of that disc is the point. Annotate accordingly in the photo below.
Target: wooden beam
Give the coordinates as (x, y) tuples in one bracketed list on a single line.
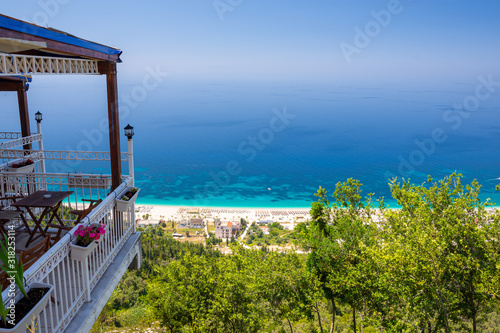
[(24, 115), (8, 86), (114, 123), (59, 47), (11, 83)]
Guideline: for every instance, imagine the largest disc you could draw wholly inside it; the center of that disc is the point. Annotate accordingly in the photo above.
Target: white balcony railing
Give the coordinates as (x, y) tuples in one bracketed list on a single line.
[(20, 141), (16, 64), (10, 135), (74, 280), (88, 186), (84, 186), (8, 153), (59, 155)]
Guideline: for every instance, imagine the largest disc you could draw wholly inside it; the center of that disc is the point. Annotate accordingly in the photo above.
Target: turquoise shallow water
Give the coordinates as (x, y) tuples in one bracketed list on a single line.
[(273, 145), (206, 156)]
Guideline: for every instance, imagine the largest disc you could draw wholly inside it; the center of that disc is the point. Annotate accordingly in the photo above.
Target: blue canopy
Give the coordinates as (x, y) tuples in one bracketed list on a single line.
[(59, 36)]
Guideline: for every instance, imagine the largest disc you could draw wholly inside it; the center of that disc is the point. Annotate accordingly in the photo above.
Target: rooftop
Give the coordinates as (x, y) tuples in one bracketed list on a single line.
[(22, 37)]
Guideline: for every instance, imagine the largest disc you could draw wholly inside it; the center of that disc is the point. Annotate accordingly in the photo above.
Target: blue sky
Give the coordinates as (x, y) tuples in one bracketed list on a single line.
[(444, 41)]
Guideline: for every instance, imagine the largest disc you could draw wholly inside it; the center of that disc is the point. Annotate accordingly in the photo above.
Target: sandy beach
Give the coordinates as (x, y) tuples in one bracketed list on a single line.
[(288, 217), (152, 214)]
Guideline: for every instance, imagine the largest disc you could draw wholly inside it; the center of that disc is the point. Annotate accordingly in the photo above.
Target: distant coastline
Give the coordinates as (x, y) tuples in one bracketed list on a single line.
[(153, 214), (156, 203)]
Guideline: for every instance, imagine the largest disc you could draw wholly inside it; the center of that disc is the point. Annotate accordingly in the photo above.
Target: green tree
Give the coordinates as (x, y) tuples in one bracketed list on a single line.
[(179, 293), (204, 294), (441, 250), (338, 237), (289, 290), (243, 223)]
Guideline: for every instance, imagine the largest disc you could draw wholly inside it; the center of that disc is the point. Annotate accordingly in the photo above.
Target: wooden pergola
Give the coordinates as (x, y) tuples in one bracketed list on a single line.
[(27, 49)]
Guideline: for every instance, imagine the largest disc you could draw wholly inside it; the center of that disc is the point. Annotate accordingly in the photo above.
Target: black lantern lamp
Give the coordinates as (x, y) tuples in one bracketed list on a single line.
[(38, 117), (129, 132)]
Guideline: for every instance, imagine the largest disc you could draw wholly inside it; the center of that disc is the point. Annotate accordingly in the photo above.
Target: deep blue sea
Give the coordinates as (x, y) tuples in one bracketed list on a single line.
[(265, 144)]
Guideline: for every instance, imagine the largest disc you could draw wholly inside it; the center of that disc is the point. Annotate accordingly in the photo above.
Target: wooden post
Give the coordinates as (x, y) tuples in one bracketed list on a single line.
[(24, 116), (109, 68)]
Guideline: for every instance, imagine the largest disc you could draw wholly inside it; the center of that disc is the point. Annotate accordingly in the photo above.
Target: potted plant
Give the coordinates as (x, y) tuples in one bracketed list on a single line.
[(24, 166), (87, 238), (128, 199), (22, 308)]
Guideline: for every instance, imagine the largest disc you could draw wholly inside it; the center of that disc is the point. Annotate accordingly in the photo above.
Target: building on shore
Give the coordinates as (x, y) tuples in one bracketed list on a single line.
[(196, 223), (226, 229), (223, 231), (265, 230), (146, 223), (236, 225)]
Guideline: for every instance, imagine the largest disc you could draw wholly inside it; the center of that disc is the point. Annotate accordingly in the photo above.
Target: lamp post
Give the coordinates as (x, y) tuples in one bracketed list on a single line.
[(129, 133), (38, 118)]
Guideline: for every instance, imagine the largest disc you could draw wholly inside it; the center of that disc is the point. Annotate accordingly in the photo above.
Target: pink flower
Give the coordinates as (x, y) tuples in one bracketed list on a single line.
[(88, 234), (79, 232)]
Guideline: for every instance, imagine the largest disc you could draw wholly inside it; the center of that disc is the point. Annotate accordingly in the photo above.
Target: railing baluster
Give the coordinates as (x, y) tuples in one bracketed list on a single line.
[(45, 318), (56, 310), (81, 287), (65, 299), (72, 278), (59, 285)]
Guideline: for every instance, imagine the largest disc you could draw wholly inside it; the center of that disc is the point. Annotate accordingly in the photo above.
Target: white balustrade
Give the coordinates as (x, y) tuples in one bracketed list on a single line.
[(10, 135), (72, 280), (16, 64), (21, 141), (68, 276), (84, 186)]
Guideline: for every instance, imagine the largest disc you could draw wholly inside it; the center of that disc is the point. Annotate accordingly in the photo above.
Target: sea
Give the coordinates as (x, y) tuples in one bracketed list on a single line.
[(273, 144)]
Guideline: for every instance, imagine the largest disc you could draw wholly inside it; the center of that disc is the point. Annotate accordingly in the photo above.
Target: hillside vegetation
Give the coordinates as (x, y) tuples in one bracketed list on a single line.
[(431, 266)]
